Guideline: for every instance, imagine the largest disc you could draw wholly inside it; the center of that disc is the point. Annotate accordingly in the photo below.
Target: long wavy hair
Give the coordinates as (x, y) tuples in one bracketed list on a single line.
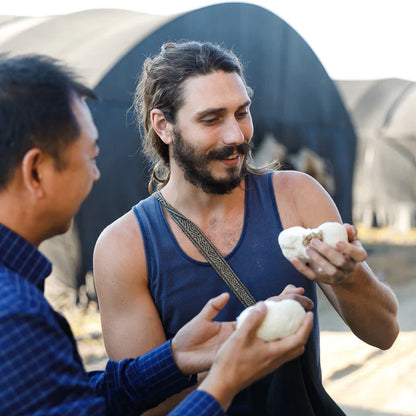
[(161, 86)]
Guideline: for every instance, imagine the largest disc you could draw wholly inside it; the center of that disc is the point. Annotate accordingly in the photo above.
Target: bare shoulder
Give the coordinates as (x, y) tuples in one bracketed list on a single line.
[(119, 250), (284, 181), (126, 305), (124, 230), (302, 200)]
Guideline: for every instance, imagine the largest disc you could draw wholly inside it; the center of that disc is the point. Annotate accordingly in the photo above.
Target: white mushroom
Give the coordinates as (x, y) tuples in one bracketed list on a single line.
[(294, 240), (283, 318)]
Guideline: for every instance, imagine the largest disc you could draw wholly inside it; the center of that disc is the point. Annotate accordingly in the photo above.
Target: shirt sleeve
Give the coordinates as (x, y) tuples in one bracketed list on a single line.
[(145, 381), (41, 372), (198, 403)]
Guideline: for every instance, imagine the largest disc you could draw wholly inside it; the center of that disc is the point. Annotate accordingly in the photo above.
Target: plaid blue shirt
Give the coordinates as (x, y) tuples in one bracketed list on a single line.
[(41, 372)]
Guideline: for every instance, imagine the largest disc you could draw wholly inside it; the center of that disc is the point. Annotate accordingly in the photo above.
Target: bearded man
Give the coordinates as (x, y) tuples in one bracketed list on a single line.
[(193, 105)]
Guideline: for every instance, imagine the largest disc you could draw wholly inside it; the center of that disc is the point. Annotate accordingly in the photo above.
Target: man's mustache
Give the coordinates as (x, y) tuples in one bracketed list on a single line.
[(243, 149)]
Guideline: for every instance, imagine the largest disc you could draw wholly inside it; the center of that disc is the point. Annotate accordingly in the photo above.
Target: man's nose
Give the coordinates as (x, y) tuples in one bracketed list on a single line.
[(233, 134), (96, 174)]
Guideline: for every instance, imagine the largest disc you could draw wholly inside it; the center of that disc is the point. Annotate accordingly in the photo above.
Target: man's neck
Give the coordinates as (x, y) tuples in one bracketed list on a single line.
[(15, 215), (202, 207), (220, 217)]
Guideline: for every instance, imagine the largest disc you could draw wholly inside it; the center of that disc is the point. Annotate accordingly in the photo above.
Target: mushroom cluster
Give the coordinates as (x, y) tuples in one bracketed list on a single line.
[(283, 318), (294, 240)]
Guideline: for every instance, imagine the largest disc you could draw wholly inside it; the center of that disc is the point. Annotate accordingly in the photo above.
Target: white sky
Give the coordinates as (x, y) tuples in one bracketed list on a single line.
[(354, 39)]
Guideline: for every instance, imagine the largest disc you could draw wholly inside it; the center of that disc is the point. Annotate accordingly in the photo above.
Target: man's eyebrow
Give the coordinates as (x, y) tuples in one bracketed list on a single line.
[(210, 111), (246, 104)]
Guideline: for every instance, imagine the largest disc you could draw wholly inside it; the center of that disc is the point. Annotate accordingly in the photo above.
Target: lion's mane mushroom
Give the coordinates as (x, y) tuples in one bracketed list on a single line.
[(283, 318), (294, 240)]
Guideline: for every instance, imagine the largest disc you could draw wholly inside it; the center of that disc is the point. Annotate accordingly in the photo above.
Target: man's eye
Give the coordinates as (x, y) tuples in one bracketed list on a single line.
[(210, 120), (242, 114), (96, 154)]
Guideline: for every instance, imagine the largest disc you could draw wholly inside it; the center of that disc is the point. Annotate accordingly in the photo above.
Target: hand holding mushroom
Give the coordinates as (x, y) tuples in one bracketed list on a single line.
[(328, 253), (283, 318)]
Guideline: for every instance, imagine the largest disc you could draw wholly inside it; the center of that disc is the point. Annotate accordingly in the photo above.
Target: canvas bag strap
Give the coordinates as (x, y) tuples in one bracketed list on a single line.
[(209, 251)]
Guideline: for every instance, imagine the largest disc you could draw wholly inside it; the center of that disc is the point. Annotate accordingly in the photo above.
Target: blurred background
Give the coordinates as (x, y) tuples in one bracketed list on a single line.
[(335, 97)]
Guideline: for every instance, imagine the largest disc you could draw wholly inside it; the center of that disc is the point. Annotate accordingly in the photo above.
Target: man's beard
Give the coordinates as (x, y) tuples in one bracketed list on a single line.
[(195, 165)]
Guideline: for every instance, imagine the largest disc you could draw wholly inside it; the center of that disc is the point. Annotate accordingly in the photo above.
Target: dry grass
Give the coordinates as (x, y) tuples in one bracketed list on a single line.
[(386, 235)]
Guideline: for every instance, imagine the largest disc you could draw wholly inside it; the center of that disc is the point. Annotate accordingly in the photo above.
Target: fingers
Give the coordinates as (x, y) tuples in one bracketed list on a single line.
[(344, 257), (294, 293), (293, 289), (295, 343), (289, 292), (302, 334), (304, 301), (306, 327), (292, 346), (353, 250), (254, 319), (303, 268), (325, 256), (322, 270), (351, 232), (214, 306), (244, 358), (326, 261)]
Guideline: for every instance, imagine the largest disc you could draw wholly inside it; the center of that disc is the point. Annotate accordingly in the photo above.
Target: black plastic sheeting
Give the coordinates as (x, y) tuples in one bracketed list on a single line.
[(294, 99)]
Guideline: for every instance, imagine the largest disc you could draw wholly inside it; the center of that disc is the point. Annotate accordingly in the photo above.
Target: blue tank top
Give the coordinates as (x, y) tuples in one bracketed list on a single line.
[(180, 287)]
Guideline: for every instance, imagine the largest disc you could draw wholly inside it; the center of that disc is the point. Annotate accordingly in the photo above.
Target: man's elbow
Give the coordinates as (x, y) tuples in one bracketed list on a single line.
[(388, 340)]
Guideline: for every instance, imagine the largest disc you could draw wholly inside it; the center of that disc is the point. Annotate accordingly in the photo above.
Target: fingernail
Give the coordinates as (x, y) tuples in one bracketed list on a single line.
[(315, 242), (340, 245), (309, 251), (259, 306)]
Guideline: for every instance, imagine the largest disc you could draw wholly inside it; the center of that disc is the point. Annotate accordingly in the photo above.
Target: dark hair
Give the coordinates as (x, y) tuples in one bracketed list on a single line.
[(35, 109), (161, 87)]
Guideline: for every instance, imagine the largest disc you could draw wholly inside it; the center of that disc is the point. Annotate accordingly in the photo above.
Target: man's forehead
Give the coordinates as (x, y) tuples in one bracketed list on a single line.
[(216, 89), (84, 116)]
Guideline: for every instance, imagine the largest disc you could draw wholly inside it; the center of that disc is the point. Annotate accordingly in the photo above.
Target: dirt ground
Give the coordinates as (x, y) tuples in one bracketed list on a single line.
[(363, 380)]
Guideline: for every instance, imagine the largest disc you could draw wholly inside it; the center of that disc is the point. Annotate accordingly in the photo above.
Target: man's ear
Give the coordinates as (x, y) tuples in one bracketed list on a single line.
[(161, 126), (32, 172)]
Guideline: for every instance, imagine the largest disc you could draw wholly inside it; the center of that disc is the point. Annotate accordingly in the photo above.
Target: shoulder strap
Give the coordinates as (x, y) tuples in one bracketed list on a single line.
[(209, 251)]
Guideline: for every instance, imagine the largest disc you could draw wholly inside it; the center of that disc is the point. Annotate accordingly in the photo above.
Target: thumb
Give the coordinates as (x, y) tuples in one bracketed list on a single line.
[(351, 232), (293, 289), (254, 318), (214, 306)]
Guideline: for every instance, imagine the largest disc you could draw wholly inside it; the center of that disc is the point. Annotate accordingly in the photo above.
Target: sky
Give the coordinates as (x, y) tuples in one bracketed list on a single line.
[(354, 39)]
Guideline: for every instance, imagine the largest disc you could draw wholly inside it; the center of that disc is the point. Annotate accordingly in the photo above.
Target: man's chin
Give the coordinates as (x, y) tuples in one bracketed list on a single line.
[(221, 187), (63, 228), (213, 181)]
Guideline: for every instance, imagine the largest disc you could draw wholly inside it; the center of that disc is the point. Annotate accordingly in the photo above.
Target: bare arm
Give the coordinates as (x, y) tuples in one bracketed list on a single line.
[(129, 318), (367, 306), (130, 321)]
